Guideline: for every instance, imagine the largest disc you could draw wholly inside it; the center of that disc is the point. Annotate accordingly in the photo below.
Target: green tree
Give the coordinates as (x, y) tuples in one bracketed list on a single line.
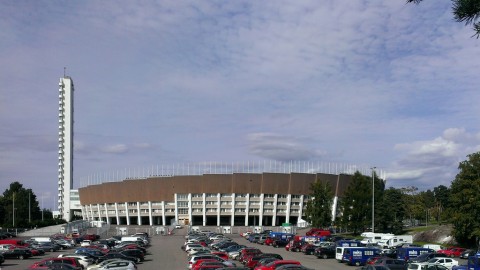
[(319, 208), (467, 11), (357, 202), (465, 201), (391, 211), (20, 206)]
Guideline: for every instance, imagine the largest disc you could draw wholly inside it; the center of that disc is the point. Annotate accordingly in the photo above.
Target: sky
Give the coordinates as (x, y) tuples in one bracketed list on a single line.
[(376, 83)]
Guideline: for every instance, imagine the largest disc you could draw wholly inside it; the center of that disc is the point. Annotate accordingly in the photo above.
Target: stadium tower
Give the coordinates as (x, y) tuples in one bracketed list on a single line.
[(65, 146)]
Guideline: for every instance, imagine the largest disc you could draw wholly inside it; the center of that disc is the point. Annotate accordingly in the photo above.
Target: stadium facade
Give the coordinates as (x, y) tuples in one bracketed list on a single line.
[(222, 199)]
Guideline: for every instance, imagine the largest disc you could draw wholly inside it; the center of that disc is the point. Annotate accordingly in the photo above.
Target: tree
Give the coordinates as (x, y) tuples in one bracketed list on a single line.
[(467, 11), (391, 211), (19, 206), (465, 201), (357, 202), (319, 208)]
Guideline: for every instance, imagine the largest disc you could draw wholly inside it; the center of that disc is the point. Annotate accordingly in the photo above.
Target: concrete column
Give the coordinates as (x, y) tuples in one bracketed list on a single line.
[(91, 212), (289, 201), (84, 213), (139, 217), (176, 208), (204, 210), (190, 215), (274, 217), (106, 214), (150, 217), (260, 213), (300, 211), (232, 221), (127, 215), (98, 210), (247, 208), (218, 209), (163, 213), (116, 214)]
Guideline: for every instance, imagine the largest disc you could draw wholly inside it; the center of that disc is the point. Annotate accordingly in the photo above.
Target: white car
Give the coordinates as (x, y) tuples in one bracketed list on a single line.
[(82, 259), (424, 266), (114, 264), (447, 262), (85, 243), (178, 226)]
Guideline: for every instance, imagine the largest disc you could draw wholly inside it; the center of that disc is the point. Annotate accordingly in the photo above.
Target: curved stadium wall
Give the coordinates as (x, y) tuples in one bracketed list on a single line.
[(231, 199)]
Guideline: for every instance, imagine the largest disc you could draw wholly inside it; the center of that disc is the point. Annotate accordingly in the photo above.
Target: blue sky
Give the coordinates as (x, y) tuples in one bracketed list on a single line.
[(374, 83)]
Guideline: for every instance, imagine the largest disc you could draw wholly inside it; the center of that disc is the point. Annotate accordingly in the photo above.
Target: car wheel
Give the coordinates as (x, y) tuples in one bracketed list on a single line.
[(21, 257), (357, 263), (325, 256), (138, 260)]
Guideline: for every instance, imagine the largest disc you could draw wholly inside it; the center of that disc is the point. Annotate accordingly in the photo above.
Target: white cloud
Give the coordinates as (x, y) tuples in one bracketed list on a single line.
[(115, 149)]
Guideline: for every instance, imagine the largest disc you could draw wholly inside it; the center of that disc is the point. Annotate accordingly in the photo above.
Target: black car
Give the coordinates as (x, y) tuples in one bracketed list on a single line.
[(116, 255), (280, 243), (467, 253), (134, 253), (17, 253), (325, 252), (47, 247), (2, 259)]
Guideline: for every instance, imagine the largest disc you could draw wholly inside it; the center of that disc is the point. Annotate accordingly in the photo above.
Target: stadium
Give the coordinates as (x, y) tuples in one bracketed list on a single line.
[(211, 195)]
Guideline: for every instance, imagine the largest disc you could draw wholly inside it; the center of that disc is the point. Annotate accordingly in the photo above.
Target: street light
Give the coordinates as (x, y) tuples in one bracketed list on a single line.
[(373, 198)]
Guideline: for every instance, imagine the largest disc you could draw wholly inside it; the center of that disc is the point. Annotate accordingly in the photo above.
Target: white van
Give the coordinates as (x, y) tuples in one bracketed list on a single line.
[(340, 250), (41, 239), (435, 247), (133, 239)]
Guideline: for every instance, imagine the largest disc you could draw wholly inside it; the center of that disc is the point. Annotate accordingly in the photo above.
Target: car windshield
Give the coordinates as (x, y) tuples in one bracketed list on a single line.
[(433, 260)]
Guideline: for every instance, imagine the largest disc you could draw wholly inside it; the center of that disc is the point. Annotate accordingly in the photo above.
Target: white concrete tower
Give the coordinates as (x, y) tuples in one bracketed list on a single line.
[(65, 146)]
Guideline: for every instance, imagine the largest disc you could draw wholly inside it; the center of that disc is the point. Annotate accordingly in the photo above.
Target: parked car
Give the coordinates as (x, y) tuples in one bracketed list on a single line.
[(452, 251), (325, 252), (276, 264), (422, 266), (447, 262), (427, 256), (467, 253), (46, 263), (114, 264), (84, 260), (2, 259), (134, 253), (116, 255), (392, 264), (17, 253), (280, 243), (292, 267)]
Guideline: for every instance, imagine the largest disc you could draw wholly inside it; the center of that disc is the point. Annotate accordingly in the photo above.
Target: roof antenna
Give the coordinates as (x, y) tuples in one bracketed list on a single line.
[(64, 72)]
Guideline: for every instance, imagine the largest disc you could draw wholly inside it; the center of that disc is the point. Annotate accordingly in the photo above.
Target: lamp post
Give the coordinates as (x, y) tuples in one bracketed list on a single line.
[(13, 213), (373, 199)]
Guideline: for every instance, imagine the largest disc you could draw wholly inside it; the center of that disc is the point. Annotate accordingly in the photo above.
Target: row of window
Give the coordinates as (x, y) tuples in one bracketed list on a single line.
[(184, 211)]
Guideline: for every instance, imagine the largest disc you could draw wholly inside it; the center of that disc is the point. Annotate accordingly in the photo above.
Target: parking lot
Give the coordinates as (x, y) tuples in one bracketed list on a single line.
[(165, 253)]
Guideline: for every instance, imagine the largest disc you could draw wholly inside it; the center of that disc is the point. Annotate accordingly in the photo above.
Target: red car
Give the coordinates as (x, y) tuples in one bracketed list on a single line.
[(45, 264), (268, 241), (247, 252), (452, 251), (275, 264), (220, 254), (207, 264)]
